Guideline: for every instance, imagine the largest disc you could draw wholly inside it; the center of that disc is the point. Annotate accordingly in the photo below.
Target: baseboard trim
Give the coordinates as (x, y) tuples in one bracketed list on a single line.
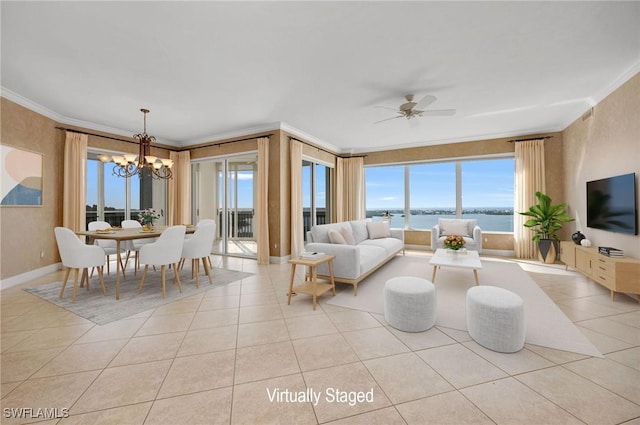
[(25, 277)]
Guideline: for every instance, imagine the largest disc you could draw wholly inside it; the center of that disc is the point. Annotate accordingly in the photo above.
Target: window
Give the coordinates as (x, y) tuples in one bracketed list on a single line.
[(316, 199), (418, 194), (112, 199)]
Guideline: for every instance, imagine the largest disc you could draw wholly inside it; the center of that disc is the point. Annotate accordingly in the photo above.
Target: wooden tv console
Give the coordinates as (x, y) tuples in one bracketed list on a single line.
[(616, 274)]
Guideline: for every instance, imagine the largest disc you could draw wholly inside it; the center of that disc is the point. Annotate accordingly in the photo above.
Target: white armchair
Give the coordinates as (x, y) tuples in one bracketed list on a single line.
[(467, 228)]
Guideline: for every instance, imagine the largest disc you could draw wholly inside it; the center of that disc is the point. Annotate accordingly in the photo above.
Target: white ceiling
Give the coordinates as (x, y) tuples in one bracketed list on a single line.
[(209, 70)]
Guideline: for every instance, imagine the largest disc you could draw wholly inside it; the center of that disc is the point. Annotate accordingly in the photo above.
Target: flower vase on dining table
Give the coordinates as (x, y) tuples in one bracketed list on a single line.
[(147, 218)]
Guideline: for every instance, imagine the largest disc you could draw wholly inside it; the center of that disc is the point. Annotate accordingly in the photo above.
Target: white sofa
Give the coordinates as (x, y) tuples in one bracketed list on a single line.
[(371, 246), (467, 228)]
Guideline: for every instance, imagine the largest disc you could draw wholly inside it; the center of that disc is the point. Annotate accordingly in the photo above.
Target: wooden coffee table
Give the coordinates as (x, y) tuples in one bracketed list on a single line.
[(466, 260)]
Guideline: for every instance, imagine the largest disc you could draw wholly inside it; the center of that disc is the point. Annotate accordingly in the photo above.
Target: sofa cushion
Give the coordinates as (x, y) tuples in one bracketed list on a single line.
[(359, 228), (370, 257), (390, 245), (347, 234), (378, 229), (320, 232), (459, 227), (336, 237)]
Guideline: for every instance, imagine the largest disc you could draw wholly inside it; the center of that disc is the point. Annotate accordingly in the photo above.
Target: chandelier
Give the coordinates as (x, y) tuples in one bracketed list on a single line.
[(143, 164)]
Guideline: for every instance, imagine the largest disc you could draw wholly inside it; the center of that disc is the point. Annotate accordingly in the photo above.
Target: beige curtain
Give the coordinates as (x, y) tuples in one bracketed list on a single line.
[(350, 189), (179, 189), (262, 207), (75, 181), (297, 226), (529, 179)]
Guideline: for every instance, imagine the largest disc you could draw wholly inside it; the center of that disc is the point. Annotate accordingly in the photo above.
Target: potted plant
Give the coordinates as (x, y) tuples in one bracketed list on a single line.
[(545, 221)]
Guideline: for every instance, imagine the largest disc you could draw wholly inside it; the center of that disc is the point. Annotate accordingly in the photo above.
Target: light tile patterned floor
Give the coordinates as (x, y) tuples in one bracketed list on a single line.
[(218, 358)]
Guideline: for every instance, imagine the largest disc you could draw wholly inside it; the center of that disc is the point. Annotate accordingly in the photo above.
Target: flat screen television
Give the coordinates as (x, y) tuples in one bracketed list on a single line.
[(611, 204)]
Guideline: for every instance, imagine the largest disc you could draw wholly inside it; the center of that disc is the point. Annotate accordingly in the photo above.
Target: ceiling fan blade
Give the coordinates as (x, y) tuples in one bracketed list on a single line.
[(387, 107), (438, 113), (425, 101), (387, 119)]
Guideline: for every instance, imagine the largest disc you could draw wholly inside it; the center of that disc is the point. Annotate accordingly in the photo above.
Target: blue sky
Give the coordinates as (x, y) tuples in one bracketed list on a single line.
[(485, 183)]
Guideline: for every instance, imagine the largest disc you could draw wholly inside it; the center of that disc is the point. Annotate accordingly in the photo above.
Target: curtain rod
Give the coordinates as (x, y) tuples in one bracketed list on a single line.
[(224, 143), (533, 138), (324, 150), (160, 147), (97, 135)]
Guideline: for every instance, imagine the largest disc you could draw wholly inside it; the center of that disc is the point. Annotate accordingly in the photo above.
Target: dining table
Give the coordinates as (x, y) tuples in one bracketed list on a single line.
[(120, 235)]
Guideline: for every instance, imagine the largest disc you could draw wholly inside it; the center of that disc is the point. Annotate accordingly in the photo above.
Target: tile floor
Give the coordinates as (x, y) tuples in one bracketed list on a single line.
[(218, 357)]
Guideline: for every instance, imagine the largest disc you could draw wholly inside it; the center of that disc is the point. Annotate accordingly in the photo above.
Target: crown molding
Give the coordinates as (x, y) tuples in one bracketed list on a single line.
[(615, 84), (61, 119), (474, 138)]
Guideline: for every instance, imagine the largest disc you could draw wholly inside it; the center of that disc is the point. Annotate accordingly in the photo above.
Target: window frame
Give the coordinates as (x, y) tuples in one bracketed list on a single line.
[(458, 161)]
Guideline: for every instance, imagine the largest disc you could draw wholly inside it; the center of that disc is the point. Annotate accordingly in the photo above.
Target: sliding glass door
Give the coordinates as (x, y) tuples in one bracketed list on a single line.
[(225, 190)]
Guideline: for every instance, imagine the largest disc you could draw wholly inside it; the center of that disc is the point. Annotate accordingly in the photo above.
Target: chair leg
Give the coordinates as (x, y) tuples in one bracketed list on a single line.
[(64, 282), (75, 286), (85, 276), (162, 280), (210, 263), (206, 269), (144, 274), (121, 266), (100, 275), (177, 278), (126, 260), (195, 266), (108, 262)]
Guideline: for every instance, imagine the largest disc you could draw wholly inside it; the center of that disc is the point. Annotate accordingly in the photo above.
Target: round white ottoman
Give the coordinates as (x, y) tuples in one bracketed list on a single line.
[(495, 318), (410, 303)]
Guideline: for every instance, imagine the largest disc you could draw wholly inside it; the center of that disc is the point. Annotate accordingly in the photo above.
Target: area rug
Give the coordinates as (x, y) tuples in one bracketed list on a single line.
[(546, 324), (92, 305)]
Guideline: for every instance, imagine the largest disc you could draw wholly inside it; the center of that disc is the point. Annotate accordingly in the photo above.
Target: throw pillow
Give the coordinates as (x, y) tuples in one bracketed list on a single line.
[(336, 238), (457, 228), (378, 229), (348, 236)]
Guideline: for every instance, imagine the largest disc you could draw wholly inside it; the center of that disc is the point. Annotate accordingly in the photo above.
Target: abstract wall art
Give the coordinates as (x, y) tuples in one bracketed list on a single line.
[(20, 177)]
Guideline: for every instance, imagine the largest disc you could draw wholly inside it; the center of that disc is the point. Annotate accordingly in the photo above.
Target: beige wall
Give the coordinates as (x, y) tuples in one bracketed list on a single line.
[(25, 232), (605, 145)]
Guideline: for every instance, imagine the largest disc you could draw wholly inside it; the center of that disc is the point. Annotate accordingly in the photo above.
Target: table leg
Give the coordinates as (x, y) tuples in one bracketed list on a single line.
[(433, 276), (293, 272), (314, 280), (118, 260), (333, 283), (475, 275)]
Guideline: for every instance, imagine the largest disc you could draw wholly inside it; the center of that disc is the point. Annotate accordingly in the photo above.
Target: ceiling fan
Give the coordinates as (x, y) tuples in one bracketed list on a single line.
[(412, 109)]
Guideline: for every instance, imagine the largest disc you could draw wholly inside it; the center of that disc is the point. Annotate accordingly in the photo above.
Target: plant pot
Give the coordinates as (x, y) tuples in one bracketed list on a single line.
[(547, 251)]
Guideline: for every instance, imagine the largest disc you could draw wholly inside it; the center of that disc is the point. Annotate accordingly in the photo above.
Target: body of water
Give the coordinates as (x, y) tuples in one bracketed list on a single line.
[(487, 222)]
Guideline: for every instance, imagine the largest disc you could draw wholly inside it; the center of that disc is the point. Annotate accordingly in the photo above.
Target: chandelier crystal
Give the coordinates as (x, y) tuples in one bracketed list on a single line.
[(143, 164)]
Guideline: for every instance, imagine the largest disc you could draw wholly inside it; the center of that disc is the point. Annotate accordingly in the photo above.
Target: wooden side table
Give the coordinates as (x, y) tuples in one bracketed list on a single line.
[(312, 286)]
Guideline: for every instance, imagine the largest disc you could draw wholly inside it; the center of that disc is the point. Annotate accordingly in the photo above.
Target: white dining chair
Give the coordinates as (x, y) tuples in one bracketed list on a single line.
[(77, 255), (197, 248), (209, 222), (134, 245), (167, 250), (110, 247)]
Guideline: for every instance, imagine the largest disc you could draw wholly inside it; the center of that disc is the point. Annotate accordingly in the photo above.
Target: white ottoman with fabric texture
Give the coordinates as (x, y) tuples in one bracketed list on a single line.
[(410, 303), (495, 318)]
